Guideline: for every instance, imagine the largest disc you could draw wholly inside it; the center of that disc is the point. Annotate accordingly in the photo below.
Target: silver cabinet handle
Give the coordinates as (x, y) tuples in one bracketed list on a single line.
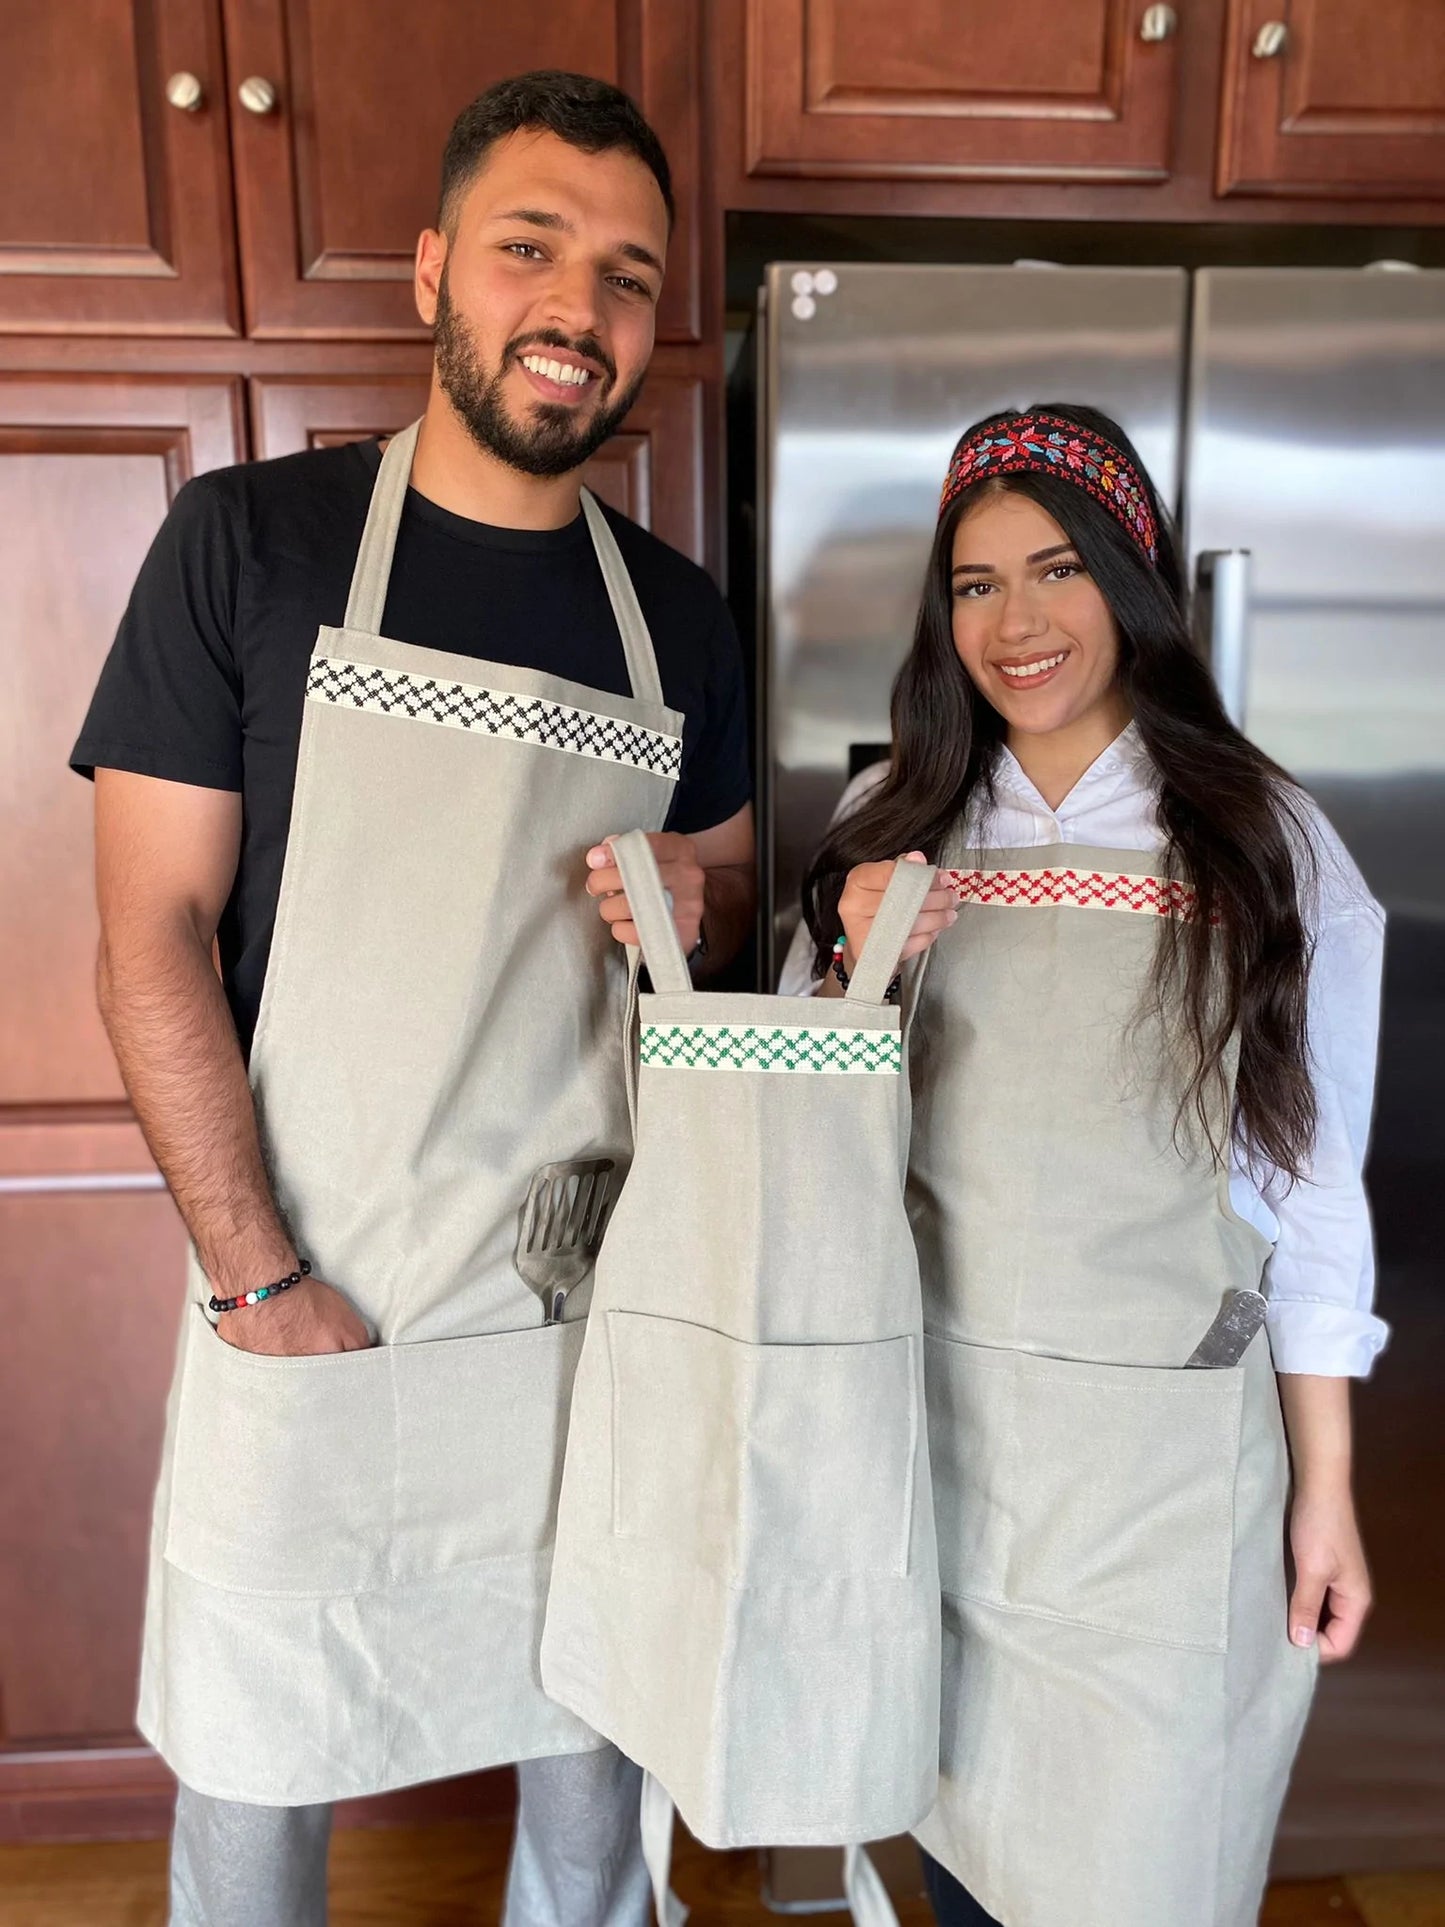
[(185, 92), (1159, 23), (258, 96), (1270, 41)]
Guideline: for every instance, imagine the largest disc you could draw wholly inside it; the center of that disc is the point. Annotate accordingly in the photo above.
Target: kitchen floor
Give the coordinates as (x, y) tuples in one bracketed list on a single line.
[(450, 1875)]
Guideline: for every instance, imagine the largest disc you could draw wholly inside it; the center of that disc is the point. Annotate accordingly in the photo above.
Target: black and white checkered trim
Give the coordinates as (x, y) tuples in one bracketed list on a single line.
[(521, 719)]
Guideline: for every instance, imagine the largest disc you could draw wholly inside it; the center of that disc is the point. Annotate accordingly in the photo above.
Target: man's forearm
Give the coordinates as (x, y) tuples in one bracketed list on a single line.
[(730, 900), (178, 1052)]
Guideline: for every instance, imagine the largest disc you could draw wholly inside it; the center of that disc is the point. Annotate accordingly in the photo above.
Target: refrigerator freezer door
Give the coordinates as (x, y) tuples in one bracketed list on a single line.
[(870, 374), (1318, 442), (1317, 439)]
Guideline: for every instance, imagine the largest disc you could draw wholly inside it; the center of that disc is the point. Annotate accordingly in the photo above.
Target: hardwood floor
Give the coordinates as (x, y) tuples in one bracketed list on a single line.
[(451, 1876)]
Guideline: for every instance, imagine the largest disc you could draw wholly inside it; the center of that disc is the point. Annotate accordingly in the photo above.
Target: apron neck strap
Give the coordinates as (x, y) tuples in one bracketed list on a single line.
[(897, 914), (652, 914), (631, 624), (366, 604)]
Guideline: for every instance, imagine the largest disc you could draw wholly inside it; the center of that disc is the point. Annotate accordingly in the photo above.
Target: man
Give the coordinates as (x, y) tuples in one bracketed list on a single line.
[(370, 739)]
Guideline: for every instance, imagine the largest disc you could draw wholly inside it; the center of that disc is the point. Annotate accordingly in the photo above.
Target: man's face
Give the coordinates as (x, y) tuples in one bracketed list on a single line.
[(545, 301)]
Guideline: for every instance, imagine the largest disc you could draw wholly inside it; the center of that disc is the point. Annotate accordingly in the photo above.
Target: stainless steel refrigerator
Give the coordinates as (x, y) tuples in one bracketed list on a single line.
[(1295, 420)]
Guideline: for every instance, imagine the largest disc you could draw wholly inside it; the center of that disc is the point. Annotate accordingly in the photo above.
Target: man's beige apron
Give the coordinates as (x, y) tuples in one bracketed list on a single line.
[(745, 1595), (1121, 1701), (350, 1552)]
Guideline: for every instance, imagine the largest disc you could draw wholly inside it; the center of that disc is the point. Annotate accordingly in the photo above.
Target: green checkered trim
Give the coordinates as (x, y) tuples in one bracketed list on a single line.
[(801, 1047)]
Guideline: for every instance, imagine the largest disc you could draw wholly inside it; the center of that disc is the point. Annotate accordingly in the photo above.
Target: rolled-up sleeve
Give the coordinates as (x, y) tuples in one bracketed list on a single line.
[(1320, 1279)]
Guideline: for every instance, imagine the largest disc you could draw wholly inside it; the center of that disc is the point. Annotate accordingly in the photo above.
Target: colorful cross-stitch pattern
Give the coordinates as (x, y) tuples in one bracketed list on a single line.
[(1049, 445)]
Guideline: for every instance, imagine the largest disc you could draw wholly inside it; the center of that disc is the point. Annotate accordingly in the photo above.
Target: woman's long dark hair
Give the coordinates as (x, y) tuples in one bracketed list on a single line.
[(1232, 820)]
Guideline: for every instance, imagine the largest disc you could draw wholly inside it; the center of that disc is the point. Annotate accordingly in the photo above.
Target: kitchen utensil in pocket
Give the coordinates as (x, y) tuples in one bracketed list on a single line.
[(560, 1226), (1229, 1337)]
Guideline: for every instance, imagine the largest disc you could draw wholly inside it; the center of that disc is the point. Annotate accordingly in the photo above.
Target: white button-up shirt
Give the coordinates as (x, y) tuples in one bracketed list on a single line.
[(1320, 1278)]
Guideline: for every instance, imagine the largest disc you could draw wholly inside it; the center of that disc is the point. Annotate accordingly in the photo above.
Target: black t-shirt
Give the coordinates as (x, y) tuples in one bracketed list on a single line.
[(207, 676)]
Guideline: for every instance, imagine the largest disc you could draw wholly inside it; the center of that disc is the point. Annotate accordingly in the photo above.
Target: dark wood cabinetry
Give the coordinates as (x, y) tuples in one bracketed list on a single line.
[(140, 139), (1207, 110), (91, 1248), (115, 204), (336, 176), (845, 88), (1338, 98)]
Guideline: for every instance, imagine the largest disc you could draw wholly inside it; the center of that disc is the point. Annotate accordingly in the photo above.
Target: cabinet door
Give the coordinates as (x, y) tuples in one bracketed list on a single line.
[(959, 91), (1334, 97), (115, 205), (91, 1249), (338, 177), (651, 469)]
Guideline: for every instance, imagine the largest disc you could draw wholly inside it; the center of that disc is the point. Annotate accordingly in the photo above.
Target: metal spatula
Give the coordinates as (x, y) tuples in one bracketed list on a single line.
[(1228, 1338), (560, 1226)]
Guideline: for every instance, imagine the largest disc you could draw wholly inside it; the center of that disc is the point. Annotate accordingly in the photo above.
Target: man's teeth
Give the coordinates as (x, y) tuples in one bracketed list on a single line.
[(1026, 670), (561, 371)]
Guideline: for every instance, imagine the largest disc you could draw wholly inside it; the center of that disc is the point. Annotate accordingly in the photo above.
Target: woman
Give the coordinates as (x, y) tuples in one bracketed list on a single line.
[(1142, 1056)]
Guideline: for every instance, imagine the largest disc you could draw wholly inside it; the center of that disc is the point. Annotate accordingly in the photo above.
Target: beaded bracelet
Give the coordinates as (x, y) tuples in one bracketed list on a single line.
[(890, 996), (303, 1270)]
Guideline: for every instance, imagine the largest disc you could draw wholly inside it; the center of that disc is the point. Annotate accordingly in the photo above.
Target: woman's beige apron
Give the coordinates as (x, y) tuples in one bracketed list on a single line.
[(351, 1552), (1121, 1703), (745, 1594)]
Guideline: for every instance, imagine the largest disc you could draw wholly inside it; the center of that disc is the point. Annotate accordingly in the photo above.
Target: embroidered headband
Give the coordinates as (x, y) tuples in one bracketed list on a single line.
[(1050, 445)]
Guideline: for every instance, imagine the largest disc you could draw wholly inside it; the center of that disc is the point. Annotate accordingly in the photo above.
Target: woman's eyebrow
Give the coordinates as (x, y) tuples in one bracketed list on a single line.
[(1039, 555)]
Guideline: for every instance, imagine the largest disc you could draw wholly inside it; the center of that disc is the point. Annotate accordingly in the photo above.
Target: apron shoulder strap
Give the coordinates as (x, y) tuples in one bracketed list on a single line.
[(897, 914), (366, 604), (652, 914), (631, 623)]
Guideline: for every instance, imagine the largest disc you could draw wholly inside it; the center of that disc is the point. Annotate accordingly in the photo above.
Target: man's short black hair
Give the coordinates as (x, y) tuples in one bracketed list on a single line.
[(590, 114)]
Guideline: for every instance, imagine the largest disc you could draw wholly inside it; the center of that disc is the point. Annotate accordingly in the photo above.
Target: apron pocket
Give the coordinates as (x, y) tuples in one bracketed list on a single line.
[(1101, 1495), (723, 1451), (349, 1471)]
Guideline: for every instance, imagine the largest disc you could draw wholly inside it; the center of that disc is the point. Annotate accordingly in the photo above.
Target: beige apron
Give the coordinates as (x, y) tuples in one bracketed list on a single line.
[(350, 1552), (745, 1593), (1121, 1703)]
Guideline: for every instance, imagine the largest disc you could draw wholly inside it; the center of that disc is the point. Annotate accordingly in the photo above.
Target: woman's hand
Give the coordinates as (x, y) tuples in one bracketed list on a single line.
[(862, 899), (1332, 1581)]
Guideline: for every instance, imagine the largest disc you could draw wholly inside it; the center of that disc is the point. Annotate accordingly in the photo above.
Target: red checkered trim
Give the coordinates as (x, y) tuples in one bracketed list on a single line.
[(1074, 890)]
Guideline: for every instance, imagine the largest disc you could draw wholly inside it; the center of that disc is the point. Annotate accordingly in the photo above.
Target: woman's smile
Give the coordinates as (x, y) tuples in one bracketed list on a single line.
[(1031, 672)]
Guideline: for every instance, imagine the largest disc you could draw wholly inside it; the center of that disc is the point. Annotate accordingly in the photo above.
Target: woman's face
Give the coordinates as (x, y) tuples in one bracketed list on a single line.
[(1030, 625)]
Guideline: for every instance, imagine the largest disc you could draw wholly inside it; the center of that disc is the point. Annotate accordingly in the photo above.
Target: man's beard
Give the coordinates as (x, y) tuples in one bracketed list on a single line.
[(550, 440)]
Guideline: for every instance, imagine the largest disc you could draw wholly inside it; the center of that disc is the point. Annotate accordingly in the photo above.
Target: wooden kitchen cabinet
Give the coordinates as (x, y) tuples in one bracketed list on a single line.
[(91, 1248), (115, 205), (337, 175), (651, 469), (88, 468), (317, 126), (964, 91), (1343, 98)]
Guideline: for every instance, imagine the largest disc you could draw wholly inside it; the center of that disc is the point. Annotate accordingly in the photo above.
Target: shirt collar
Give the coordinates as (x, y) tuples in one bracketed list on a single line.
[(1125, 757)]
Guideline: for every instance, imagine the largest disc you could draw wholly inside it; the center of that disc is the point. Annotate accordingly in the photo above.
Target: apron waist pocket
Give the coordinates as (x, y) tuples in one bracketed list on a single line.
[(1099, 1495), (346, 1472), (797, 1457)]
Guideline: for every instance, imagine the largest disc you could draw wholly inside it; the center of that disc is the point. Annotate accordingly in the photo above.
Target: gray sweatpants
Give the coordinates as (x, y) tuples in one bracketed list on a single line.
[(576, 1856)]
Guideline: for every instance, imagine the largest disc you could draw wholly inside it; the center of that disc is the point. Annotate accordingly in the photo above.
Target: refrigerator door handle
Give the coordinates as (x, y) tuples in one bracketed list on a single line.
[(1222, 583)]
